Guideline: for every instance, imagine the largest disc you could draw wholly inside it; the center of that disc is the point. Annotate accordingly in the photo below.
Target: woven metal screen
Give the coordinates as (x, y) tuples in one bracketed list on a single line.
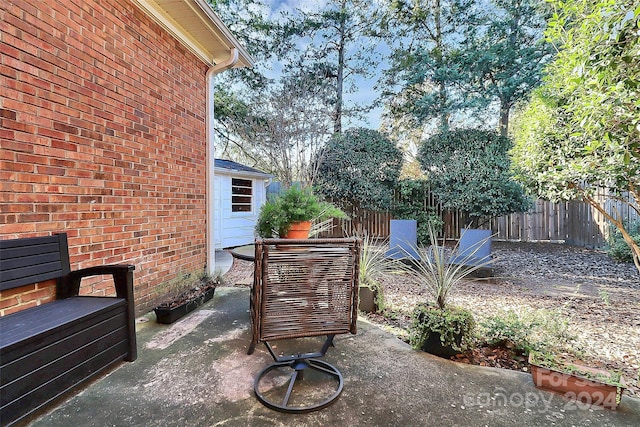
[(305, 288)]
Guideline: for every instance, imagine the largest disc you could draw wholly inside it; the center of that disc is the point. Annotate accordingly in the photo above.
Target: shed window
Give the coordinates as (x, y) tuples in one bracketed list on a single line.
[(241, 195)]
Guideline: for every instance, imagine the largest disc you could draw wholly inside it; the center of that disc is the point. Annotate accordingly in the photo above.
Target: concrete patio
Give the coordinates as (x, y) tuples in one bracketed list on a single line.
[(196, 372)]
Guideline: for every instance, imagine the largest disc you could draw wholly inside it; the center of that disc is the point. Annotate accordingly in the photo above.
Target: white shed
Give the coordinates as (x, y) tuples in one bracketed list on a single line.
[(239, 192)]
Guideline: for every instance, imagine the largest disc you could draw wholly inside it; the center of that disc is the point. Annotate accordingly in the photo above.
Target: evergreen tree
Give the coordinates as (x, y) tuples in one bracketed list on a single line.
[(423, 80), (340, 47), (454, 58), (359, 168), (503, 53), (470, 170)]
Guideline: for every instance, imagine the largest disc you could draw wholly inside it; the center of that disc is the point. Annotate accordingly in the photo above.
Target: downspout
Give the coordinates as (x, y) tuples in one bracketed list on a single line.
[(211, 73)]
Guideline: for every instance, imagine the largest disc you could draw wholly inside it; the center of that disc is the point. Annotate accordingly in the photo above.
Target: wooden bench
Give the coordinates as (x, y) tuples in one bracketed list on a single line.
[(47, 350)]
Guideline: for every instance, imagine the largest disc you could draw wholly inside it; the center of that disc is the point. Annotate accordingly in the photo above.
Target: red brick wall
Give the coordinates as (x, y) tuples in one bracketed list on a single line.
[(102, 136)]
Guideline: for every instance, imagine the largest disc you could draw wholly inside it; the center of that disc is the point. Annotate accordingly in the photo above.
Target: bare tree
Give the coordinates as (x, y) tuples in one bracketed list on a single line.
[(280, 131)]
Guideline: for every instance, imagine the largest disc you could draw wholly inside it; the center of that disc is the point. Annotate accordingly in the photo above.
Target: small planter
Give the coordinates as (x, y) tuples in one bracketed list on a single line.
[(171, 311), (433, 345), (367, 299), (441, 332), (582, 383)]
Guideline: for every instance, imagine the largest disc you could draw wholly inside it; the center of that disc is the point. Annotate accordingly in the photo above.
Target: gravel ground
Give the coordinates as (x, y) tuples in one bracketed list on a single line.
[(598, 297)]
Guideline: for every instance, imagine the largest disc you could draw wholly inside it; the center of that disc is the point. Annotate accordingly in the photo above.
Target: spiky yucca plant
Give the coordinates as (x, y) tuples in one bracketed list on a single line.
[(438, 275), (454, 325)]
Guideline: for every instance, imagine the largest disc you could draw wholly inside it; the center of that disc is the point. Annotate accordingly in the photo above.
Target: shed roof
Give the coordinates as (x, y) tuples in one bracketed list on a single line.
[(197, 27), (240, 169)]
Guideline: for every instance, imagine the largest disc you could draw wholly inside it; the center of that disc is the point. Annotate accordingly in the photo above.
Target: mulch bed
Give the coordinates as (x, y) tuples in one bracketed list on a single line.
[(599, 297)]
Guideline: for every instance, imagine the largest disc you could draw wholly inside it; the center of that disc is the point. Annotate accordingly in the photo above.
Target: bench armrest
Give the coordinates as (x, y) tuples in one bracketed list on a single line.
[(69, 285)]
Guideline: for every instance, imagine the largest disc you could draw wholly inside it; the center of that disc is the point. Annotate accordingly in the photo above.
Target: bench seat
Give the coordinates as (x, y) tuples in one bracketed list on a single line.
[(45, 348)]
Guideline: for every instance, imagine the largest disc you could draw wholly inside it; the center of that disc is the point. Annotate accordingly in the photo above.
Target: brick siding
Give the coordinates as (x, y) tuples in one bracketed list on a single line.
[(103, 136)]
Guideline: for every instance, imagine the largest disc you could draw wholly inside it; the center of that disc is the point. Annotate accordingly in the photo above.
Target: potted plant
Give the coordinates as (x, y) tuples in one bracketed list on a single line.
[(187, 301), (575, 381), (373, 264), (291, 214), (437, 327), (442, 331)]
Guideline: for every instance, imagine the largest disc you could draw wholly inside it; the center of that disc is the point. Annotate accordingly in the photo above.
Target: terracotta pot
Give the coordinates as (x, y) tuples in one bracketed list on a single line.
[(572, 386), (299, 230)]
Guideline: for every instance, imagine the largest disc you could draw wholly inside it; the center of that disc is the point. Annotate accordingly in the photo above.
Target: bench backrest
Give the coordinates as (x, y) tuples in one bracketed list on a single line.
[(34, 259)]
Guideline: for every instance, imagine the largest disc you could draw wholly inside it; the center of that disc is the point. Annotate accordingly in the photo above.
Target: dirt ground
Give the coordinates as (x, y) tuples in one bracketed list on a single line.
[(598, 297)]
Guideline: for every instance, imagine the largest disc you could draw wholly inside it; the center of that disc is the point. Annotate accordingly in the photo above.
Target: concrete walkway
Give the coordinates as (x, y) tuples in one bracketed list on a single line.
[(196, 372), (224, 261)]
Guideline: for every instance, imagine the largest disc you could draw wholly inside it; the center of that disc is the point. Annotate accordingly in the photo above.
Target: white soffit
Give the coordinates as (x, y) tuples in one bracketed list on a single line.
[(198, 28)]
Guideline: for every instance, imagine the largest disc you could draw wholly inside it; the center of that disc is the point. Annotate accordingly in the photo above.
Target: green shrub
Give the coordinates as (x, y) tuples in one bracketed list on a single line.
[(358, 168), (410, 204), (617, 248), (470, 170), (450, 322), (526, 330)]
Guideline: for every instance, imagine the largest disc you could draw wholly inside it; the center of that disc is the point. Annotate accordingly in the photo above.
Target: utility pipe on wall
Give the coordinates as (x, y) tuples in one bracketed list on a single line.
[(211, 155)]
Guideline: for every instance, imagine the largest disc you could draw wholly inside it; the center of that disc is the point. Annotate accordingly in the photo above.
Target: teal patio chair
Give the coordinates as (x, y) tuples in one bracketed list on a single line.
[(474, 249)]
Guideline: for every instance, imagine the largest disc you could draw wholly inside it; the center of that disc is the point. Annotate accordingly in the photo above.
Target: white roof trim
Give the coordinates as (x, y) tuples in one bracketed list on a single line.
[(197, 27), (235, 172)]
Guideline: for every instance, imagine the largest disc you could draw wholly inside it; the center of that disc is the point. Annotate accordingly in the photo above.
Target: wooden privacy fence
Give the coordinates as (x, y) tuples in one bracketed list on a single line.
[(364, 221), (574, 222)]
